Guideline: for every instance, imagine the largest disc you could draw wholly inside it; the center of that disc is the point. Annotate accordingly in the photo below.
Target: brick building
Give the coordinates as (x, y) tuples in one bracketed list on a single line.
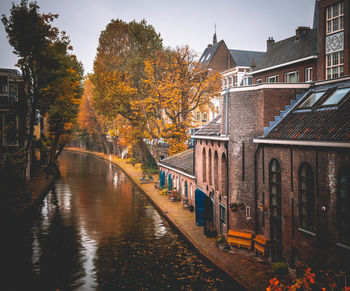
[(211, 151), (314, 143), (303, 179), (177, 172)]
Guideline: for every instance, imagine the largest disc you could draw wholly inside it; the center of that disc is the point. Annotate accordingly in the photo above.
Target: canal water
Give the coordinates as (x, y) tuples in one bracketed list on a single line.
[(95, 230)]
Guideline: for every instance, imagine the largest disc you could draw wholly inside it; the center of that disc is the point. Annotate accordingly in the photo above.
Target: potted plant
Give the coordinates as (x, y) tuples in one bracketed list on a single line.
[(221, 242)]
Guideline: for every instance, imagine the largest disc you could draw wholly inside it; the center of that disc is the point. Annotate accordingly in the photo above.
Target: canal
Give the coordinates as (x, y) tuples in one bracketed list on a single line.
[(95, 230)]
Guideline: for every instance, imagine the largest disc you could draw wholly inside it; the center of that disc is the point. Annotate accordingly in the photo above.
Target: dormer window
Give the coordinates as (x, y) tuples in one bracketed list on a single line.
[(336, 97), (312, 99)]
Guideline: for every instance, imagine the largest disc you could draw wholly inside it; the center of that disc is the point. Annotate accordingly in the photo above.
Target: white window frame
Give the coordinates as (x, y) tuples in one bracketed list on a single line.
[(334, 70), (272, 79), (288, 74), (308, 74), (258, 81), (204, 116), (197, 116), (331, 19)]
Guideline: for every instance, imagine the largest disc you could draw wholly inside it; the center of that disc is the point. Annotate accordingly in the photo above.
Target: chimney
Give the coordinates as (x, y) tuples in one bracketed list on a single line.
[(300, 31), (209, 45), (270, 41)]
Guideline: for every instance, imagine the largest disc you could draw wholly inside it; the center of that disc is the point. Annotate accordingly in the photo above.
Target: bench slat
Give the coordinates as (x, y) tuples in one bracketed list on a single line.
[(239, 234)]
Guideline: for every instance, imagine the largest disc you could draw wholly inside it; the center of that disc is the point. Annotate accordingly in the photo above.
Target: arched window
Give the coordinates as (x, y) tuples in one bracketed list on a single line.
[(306, 197), (223, 174), (343, 202), (210, 163), (216, 171), (204, 160), (275, 189)]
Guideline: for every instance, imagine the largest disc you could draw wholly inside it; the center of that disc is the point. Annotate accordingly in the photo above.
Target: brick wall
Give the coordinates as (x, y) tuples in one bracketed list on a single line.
[(222, 59), (281, 71), (214, 166), (322, 35), (320, 246), (249, 112)]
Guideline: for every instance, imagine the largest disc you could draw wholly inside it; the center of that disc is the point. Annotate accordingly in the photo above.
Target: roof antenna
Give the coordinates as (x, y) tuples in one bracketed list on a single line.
[(214, 37)]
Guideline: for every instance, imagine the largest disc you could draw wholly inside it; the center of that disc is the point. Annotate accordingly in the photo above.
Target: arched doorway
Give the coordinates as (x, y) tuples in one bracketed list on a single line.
[(169, 182), (275, 210)]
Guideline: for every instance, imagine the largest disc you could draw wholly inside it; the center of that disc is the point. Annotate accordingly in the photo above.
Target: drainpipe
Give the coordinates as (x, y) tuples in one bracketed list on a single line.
[(226, 111), (227, 185), (256, 187)]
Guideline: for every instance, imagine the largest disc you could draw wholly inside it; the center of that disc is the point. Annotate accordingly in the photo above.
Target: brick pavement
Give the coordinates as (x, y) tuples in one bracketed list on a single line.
[(247, 270)]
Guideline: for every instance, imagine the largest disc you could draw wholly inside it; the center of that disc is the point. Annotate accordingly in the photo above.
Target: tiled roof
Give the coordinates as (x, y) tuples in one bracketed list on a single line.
[(209, 52), (244, 58), (182, 161), (289, 49), (212, 128), (318, 123)]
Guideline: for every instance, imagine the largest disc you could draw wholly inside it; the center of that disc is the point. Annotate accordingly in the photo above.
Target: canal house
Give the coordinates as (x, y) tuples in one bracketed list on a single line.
[(176, 173), (303, 179)]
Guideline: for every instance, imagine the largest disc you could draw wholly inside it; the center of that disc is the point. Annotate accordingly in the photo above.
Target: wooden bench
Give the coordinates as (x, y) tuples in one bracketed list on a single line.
[(260, 245), (239, 239)]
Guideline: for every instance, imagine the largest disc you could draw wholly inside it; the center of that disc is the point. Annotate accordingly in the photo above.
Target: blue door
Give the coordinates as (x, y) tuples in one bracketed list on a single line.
[(199, 204), (169, 182), (161, 178), (186, 191)]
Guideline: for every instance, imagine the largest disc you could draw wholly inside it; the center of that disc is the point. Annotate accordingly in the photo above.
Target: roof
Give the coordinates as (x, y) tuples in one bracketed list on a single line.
[(289, 50), (318, 123), (244, 58), (12, 72), (209, 52), (212, 128), (182, 161)]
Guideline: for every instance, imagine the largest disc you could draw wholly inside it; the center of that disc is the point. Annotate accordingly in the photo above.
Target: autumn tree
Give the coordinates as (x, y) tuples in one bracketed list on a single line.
[(31, 35), (51, 75), (175, 85), (118, 73), (62, 113), (91, 124)]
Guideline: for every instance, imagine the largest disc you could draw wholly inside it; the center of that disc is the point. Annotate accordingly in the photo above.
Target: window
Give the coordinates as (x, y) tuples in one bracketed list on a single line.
[(335, 17), (197, 116), (275, 189), (4, 98), (10, 130), (247, 81), (337, 96), (13, 93), (343, 202), (272, 79), (312, 99), (308, 74), (258, 81), (216, 171), (222, 218), (204, 169), (306, 197), (335, 65), (204, 116), (291, 77)]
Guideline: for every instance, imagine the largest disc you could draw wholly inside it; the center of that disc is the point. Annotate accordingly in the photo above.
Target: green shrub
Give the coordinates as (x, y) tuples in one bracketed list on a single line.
[(279, 268)]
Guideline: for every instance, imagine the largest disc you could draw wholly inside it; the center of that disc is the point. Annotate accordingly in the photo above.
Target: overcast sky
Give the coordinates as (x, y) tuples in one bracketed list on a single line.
[(243, 24)]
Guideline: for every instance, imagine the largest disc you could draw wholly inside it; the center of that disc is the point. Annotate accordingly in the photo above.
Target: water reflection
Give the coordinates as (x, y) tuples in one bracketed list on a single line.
[(95, 230)]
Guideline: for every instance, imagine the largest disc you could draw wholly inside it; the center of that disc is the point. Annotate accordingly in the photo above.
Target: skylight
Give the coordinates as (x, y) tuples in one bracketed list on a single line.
[(312, 99), (208, 56), (337, 96)]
